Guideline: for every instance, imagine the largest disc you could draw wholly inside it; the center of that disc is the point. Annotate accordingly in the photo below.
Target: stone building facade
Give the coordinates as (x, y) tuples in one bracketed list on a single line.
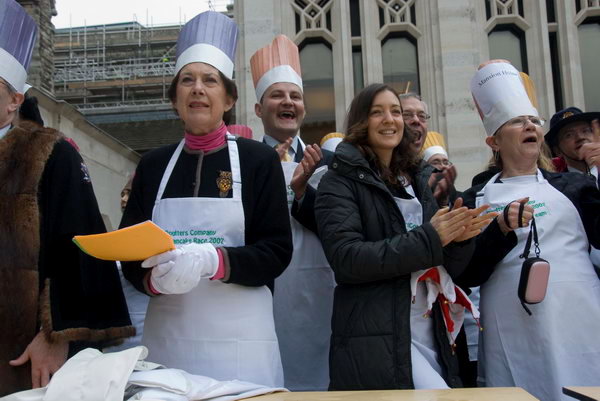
[(429, 46)]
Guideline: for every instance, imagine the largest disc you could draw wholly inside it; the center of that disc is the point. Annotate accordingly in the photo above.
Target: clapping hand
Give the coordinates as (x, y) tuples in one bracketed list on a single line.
[(305, 169), (451, 224), (477, 223)]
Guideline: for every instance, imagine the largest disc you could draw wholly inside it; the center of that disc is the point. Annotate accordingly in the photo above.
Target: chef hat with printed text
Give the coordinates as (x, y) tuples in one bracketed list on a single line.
[(211, 38), (500, 95), (279, 61), (17, 38)]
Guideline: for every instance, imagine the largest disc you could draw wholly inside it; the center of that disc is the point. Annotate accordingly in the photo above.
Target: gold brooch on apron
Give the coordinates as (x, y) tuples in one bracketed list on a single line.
[(224, 183)]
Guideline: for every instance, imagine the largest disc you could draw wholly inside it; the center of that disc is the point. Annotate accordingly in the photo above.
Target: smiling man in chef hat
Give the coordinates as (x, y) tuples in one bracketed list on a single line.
[(304, 292)]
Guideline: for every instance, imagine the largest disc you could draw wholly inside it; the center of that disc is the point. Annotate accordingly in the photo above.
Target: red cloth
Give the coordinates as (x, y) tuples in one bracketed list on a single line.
[(207, 142), (560, 164)]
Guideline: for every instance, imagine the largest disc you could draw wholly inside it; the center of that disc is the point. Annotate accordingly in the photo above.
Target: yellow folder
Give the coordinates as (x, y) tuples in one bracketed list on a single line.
[(137, 242)]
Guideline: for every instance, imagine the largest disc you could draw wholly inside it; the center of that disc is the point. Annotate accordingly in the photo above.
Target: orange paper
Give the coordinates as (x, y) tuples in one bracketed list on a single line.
[(137, 242)]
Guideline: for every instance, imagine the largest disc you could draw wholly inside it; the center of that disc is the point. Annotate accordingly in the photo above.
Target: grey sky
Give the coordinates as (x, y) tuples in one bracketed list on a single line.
[(157, 12)]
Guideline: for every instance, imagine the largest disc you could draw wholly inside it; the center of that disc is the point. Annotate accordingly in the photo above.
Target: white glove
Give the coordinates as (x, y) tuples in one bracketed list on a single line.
[(180, 271)]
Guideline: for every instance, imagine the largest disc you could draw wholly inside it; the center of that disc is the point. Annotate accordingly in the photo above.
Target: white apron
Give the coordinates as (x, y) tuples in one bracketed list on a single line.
[(303, 304), (224, 331), (426, 370), (137, 304), (557, 346)]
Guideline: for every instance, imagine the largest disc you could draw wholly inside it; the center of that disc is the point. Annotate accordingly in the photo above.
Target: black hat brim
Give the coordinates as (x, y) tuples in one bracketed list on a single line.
[(551, 137)]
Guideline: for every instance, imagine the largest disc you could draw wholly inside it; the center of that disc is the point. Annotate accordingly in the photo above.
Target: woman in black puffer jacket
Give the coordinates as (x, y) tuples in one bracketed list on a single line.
[(373, 253)]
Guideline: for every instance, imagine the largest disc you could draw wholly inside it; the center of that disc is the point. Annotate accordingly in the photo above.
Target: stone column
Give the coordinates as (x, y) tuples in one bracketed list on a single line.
[(460, 37), (259, 22), (538, 55), (570, 59), (371, 45), (342, 61)]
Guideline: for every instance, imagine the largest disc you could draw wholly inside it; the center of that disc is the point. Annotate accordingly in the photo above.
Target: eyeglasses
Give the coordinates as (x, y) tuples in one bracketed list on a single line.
[(521, 122), (422, 116), (441, 163)]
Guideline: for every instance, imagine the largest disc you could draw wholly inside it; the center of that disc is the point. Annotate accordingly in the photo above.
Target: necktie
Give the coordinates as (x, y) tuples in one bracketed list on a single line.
[(286, 157)]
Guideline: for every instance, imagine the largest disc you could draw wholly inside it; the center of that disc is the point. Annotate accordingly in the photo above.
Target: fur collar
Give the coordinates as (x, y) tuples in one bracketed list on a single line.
[(23, 155)]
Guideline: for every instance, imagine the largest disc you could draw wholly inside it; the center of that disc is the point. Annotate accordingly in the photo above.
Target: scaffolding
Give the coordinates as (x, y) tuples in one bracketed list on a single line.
[(119, 65)]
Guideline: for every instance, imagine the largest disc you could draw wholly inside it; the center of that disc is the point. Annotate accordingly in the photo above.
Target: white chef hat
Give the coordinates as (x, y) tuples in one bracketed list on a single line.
[(279, 61), (17, 38), (211, 38), (434, 150), (500, 95)]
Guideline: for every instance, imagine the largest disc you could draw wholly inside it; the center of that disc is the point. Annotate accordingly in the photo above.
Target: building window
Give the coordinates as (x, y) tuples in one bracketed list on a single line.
[(494, 8), (551, 10), (589, 37), (355, 18), (400, 62), (508, 42), (318, 85), (556, 72), (357, 66), (312, 14)]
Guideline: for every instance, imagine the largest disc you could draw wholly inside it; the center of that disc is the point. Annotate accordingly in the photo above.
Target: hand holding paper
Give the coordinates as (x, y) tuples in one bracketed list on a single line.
[(180, 271), (137, 242)]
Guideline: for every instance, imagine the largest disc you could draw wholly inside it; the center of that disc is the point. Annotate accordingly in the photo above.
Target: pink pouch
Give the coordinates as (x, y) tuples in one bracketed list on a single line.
[(535, 273), (534, 280)]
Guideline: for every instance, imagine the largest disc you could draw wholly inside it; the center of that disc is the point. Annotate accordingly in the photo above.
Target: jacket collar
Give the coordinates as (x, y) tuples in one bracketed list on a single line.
[(350, 162)]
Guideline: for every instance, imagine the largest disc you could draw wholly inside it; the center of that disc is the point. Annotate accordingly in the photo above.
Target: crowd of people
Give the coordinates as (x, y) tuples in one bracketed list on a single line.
[(355, 265)]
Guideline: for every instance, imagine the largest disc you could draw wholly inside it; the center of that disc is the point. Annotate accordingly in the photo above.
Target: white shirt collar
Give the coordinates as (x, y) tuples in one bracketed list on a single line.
[(4, 130)]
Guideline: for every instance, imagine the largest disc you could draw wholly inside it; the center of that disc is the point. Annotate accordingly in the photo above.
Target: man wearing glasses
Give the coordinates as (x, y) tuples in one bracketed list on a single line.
[(414, 113), (437, 157)]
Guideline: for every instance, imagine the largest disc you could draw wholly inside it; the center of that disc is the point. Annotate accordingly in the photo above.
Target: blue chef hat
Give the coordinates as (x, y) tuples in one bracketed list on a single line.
[(210, 38), (17, 37)]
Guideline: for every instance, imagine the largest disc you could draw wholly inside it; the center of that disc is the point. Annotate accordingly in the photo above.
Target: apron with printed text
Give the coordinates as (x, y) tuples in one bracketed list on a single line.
[(426, 369), (224, 331), (303, 304), (558, 345)]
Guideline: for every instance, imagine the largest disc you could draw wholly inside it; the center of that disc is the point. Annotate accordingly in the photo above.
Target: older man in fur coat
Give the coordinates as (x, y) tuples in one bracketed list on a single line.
[(55, 299)]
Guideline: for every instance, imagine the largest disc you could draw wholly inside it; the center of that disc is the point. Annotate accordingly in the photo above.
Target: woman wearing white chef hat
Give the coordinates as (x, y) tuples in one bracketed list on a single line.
[(211, 311), (553, 343)]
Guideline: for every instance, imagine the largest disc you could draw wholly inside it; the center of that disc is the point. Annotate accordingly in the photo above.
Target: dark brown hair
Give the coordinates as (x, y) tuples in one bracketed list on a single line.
[(230, 90), (404, 161)]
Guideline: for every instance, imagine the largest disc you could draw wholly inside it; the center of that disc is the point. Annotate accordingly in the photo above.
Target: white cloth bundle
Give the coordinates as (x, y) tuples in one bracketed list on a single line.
[(93, 376)]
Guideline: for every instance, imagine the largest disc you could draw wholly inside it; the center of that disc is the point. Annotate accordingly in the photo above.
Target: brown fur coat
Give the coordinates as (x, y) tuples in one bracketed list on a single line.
[(26, 305)]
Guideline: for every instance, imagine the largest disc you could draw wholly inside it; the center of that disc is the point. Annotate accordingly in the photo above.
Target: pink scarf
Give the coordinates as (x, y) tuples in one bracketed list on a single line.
[(207, 142)]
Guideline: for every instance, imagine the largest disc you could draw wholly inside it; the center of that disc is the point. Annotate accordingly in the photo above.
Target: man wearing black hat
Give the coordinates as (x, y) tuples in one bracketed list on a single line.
[(574, 137)]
